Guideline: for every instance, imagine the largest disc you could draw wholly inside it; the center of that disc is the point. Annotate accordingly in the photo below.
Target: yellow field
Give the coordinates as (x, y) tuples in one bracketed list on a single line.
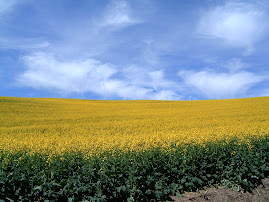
[(59, 125)]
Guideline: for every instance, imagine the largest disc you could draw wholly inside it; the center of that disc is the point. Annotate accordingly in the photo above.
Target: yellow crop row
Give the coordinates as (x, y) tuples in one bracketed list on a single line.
[(60, 125)]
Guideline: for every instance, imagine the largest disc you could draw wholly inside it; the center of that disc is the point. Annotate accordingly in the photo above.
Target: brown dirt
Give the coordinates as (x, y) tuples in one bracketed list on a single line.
[(221, 194)]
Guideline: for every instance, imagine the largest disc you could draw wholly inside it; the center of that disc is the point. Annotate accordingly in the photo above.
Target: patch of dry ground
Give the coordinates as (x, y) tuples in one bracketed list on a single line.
[(221, 194)]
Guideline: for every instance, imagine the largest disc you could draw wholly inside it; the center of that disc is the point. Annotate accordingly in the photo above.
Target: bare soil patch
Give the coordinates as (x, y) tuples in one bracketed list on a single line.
[(222, 194)]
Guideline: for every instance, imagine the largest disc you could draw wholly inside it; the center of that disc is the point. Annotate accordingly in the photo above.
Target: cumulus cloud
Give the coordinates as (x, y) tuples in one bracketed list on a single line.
[(46, 71), (126, 90), (140, 76), (237, 24), (141, 83), (214, 85), (166, 95)]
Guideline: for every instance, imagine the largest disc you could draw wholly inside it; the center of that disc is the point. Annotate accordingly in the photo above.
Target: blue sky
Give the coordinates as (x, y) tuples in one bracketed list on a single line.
[(140, 49)]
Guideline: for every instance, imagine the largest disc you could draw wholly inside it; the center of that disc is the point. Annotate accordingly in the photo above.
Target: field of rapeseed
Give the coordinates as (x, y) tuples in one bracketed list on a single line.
[(63, 149)]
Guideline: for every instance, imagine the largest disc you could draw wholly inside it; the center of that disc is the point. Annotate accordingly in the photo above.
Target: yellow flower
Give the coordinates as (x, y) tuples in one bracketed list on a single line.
[(56, 126)]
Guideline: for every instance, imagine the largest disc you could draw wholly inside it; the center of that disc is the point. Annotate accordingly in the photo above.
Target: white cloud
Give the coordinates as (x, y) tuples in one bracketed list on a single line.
[(150, 54), (141, 83), (166, 95), (92, 35), (238, 24), (152, 83), (155, 79), (215, 85), (117, 14), (235, 64), (125, 90), (46, 71)]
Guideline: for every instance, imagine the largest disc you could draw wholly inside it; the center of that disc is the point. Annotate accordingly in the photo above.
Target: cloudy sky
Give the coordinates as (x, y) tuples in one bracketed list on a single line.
[(139, 49)]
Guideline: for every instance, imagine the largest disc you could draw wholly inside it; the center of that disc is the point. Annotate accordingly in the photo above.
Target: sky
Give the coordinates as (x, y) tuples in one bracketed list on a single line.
[(134, 50)]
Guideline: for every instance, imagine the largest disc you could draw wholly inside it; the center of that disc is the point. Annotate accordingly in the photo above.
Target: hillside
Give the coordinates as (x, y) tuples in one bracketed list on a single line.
[(62, 124), (88, 150)]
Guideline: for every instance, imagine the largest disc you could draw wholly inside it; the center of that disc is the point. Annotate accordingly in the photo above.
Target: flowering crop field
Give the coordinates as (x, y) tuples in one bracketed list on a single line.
[(60, 125), (68, 149)]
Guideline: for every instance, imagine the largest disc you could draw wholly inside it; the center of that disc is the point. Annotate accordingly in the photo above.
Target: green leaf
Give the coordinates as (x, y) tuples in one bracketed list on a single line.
[(38, 188), (9, 199), (245, 182)]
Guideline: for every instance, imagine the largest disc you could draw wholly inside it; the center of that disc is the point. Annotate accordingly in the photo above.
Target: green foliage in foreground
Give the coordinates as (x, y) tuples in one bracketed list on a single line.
[(143, 175)]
